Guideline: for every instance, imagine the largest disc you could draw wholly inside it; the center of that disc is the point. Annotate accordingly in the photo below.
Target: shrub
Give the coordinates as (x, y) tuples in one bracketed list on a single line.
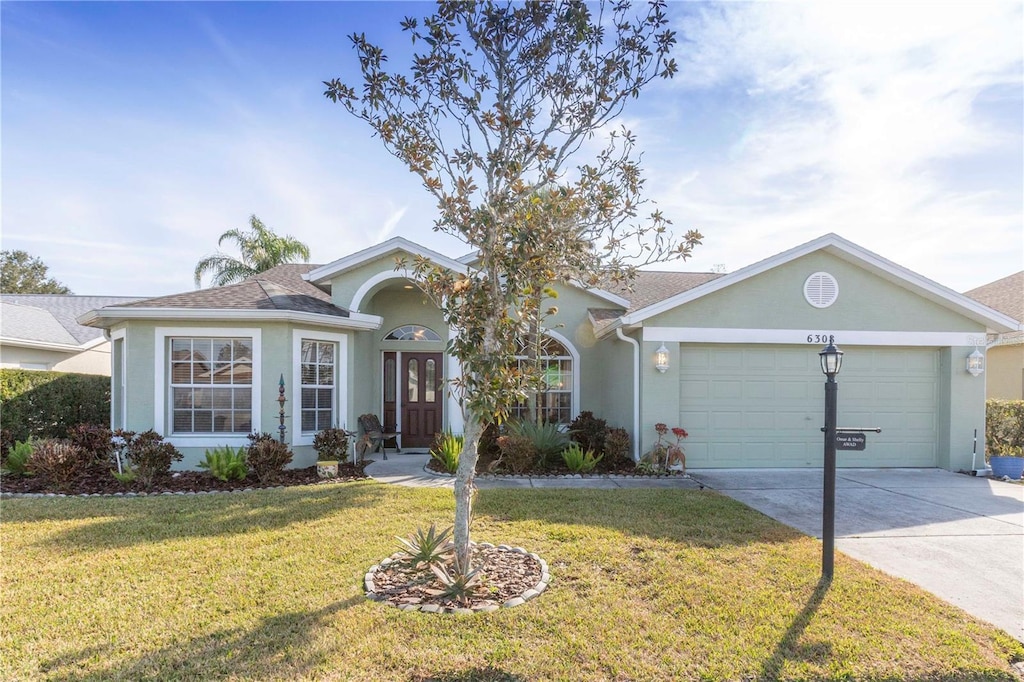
[(447, 449), (589, 431), (267, 457), (331, 445), (149, 456), (58, 462), (578, 460), (225, 463), (488, 444), (94, 439), (517, 452), (617, 447), (16, 461), (548, 442), (1004, 427), (47, 404)]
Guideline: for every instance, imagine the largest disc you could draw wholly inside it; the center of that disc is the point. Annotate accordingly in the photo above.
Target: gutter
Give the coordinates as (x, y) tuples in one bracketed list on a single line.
[(636, 392)]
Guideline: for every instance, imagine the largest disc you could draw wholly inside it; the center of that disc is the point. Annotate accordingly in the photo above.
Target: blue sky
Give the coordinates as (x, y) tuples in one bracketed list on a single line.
[(134, 134)]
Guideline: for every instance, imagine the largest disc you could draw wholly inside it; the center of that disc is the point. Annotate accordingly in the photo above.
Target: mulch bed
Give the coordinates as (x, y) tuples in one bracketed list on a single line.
[(98, 480), (625, 469), (507, 574)]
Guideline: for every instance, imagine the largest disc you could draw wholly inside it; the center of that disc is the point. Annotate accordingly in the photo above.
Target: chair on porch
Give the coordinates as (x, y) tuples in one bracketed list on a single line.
[(370, 424)]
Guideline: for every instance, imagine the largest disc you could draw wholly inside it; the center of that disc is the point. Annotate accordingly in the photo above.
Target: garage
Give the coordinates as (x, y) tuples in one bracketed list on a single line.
[(762, 405)]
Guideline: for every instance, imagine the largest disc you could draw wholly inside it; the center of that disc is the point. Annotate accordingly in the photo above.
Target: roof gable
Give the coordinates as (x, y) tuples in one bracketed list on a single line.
[(1005, 295), (850, 252)]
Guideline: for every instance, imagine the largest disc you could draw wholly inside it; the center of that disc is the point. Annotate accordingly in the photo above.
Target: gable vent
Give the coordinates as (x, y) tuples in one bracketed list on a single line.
[(821, 290)]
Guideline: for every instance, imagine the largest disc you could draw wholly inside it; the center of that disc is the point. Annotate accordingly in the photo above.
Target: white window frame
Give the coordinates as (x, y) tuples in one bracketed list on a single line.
[(574, 355), (340, 380), (162, 385)]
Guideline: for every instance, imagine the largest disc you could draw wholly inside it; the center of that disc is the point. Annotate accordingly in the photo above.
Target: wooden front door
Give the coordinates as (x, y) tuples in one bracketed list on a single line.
[(421, 392)]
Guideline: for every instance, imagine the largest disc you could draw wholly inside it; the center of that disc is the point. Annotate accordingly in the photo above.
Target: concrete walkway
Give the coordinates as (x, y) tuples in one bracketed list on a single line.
[(959, 537), (407, 469)]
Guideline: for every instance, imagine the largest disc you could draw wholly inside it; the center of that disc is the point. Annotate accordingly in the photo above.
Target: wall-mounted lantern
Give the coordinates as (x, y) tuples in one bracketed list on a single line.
[(661, 359), (976, 363)]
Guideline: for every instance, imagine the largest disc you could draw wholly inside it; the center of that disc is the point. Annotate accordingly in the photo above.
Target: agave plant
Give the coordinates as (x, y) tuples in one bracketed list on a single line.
[(427, 548), (548, 440), (459, 586)]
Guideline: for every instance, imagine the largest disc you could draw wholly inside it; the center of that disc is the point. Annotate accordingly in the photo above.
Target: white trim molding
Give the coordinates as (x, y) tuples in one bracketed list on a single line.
[(576, 369), (160, 384), (95, 318), (340, 380), (366, 287), (324, 273), (812, 337)]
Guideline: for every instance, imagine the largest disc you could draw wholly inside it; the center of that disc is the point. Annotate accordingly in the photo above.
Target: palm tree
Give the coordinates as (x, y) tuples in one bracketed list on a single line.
[(261, 250)]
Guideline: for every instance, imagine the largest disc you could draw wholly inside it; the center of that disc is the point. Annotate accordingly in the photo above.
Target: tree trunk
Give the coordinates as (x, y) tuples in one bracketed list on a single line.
[(464, 487)]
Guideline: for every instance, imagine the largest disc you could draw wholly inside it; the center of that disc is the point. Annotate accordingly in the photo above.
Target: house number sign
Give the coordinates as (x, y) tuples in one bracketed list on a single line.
[(821, 338)]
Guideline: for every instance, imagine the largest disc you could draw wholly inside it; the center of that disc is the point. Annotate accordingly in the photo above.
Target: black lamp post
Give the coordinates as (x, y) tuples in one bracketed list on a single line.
[(831, 360)]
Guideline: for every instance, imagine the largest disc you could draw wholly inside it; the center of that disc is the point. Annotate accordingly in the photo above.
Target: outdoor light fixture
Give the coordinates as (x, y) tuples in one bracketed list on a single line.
[(976, 363), (661, 359), (831, 360)]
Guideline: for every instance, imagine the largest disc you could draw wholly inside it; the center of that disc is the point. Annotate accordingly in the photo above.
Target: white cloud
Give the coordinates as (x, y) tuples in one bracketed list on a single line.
[(857, 118)]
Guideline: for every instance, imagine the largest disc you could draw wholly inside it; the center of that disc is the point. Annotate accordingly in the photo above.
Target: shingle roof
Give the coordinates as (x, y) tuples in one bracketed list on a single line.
[(650, 287), (51, 318), (280, 288), (1005, 295)]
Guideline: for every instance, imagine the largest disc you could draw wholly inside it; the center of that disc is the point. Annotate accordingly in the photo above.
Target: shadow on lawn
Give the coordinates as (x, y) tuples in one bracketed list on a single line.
[(697, 518), (124, 523), (788, 649), (488, 674), (276, 648)]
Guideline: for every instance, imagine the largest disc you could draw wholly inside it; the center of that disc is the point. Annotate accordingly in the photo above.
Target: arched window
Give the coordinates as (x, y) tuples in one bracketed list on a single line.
[(554, 400), (412, 332)]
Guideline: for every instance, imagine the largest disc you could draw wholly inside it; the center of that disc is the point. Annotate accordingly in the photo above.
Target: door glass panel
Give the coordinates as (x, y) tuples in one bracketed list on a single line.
[(430, 381), (414, 381), (389, 380)]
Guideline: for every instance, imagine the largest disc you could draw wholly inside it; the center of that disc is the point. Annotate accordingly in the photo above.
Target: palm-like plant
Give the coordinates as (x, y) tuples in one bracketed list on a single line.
[(261, 249)]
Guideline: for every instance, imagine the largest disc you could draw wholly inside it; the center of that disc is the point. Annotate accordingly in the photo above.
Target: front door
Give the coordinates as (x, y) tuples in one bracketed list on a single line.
[(421, 392)]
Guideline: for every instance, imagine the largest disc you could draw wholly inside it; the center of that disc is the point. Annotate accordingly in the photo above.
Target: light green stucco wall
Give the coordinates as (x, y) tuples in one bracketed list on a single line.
[(276, 352), (775, 300), (345, 285)]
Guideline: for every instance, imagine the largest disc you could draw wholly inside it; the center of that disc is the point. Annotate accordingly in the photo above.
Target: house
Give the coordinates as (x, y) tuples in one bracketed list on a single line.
[(41, 332), (737, 357), (1005, 356)]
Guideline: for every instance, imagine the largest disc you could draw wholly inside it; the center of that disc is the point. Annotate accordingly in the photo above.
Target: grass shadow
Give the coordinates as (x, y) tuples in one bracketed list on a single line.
[(274, 648), (789, 646), (700, 518), (488, 674), (121, 522)]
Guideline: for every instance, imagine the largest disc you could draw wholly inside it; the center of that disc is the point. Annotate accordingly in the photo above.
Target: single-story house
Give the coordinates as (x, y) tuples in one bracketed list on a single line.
[(41, 332), (737, 357), (1005, 356)]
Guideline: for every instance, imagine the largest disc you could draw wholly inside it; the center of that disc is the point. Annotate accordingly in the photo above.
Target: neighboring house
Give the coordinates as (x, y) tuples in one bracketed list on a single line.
[(1005, 355), (41, 331), (742, 375)]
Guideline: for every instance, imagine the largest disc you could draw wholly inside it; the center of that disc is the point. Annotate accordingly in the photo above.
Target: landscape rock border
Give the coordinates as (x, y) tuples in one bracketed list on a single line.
[(675, 475), (527, 595)]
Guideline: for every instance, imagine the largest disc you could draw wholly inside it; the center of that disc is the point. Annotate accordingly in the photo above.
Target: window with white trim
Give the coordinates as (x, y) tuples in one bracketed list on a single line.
[(412, 332), (554, 400), (318, 376), (210, 384)]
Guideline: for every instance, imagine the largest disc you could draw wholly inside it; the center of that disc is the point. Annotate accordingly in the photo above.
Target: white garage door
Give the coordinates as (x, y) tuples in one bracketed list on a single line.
[(763, 406)]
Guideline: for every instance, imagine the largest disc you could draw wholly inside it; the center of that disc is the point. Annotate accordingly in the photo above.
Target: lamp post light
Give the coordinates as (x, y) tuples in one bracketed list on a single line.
[(831, 361)]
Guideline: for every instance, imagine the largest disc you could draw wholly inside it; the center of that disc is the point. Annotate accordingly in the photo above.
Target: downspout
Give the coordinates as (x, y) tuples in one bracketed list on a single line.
[(636, 392)]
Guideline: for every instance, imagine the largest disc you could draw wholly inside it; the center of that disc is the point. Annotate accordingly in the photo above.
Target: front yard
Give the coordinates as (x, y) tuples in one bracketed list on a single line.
[(646, 584)]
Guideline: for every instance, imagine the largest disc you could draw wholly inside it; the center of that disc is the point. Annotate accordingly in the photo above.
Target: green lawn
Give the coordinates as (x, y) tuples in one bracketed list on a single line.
[(646, 585)]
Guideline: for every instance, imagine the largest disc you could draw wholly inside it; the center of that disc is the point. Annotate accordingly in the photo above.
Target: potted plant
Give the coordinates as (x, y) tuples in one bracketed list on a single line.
[(1004, 431), (331, 447)]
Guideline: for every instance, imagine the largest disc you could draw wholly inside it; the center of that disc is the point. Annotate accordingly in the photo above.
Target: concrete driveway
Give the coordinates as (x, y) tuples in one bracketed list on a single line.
[(959, 537)]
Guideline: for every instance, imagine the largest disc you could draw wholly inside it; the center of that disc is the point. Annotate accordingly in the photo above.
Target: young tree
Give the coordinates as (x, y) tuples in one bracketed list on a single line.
[(260, 248), (22, 273), (500, 116)]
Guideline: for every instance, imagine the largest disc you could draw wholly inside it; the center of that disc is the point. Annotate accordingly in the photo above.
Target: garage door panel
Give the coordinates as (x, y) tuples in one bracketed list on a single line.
[(763, 406), (726, 389)]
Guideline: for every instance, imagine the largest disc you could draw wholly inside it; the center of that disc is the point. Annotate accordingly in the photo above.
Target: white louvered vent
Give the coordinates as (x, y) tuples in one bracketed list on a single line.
[(821, 290)]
